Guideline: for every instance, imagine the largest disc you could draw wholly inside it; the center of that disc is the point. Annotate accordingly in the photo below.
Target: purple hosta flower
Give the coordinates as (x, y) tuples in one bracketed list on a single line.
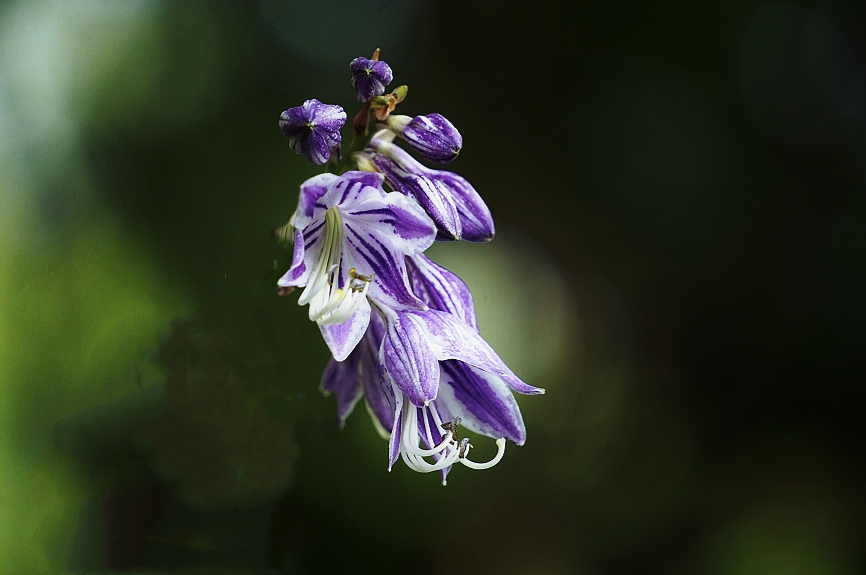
[(432, 136), (313, 129), (433, 373), (369, 77), (350, 243), (476, 222)]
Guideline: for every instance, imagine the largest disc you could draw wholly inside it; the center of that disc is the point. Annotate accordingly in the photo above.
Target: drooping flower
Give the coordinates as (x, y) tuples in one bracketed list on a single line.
[(434, 373), (476, 222), (369, 77), (350, 243), (432, 136), (313, 129)]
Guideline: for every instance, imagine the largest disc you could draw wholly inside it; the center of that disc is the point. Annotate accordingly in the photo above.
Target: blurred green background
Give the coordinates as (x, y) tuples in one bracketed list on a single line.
[(679, 196)]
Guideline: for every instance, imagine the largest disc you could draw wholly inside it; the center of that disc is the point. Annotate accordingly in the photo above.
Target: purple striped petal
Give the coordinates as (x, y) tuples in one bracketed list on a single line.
[(353, 187), (311, 191), (377, 235), (409, 360), (390, 285), (378, 392), (483, 401), (343, 337), (343, 380), (360, 375), (430, 195), (475, 218), (441, 289), (299, 272), (396, 431), (451, 338)]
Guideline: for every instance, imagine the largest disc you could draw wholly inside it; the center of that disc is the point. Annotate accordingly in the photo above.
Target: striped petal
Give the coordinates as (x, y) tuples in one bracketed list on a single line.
[(483, 401), (409, 359), (452, 338), (343, 337), (441, 289)]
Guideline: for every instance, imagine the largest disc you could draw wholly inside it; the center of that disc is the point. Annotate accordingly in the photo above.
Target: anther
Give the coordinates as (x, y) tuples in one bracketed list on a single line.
[(464, 447), (452, 427)]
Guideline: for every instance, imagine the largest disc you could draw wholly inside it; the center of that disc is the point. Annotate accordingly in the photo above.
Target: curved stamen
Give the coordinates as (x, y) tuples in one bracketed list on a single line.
[(330, 302), (500, 444), (447, 452)]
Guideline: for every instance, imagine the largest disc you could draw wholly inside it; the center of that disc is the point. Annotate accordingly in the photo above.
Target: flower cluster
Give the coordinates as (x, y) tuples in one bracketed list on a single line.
[(402, 330)]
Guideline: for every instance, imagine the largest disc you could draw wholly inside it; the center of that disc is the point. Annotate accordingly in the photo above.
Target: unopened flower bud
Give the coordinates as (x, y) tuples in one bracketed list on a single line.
[(369, 77), (432, 136), (313, 129)]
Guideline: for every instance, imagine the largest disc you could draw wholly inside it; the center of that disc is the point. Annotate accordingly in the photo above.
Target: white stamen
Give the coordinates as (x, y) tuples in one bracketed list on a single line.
[(329, 302), (447, 452)]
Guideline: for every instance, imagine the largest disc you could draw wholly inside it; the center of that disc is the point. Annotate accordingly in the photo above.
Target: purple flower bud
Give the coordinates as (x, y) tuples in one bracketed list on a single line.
[(432, 136), (369, 77), (313, 129)]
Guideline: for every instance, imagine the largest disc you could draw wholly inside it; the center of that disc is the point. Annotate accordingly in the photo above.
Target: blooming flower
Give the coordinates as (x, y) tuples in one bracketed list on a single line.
[(434, 372), (476, 222), (432, 136), (350, 243), (369, 77), (313, 129)]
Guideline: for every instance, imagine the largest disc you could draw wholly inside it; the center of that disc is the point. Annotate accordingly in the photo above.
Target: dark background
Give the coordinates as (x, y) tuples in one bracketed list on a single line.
[(678, 189)]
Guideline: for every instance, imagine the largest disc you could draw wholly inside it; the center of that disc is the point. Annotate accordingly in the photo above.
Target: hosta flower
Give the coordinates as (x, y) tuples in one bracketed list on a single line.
[(350, 243), (313, 129), (369, 77), (432, 136), (434, 373), (476, 222)]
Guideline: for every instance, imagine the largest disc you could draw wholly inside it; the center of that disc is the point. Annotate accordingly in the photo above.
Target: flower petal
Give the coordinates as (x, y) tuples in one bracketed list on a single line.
[(451, 338), (311, 191), (368, 254), (353, 187), (483, 401), (299, 272), (329, 117), (360, 375), (343, 337), (409, 360), (396, 431), (430, 195), (394, 220), (343, 379), (475, 218), (378, 391), (441, 289)]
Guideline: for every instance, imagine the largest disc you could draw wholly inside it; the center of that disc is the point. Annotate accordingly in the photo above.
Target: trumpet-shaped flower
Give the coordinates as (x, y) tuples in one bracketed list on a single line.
[(433, 373), (350, 243)]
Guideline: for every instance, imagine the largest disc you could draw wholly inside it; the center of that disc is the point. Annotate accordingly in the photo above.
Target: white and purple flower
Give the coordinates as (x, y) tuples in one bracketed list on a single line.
[(350, 243), (433, 373), (313, 129)]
